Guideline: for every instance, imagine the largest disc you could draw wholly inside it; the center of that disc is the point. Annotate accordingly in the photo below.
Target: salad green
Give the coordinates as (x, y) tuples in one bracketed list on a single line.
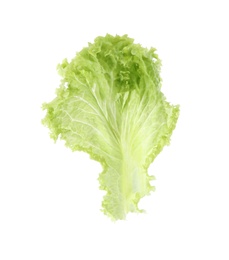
[(110, 105)]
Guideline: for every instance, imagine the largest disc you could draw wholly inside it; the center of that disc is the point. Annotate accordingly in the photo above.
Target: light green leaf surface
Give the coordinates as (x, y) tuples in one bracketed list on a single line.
[(110, 105)]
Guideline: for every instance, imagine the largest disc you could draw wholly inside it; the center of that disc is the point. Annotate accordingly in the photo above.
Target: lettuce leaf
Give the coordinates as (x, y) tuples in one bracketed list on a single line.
[(110, 105)]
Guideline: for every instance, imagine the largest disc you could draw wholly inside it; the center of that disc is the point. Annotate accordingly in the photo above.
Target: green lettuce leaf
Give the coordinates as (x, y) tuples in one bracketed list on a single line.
[(110, 105)]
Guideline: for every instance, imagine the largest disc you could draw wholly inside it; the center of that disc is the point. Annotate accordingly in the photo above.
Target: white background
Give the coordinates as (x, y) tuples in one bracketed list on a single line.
[(49, 197)]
